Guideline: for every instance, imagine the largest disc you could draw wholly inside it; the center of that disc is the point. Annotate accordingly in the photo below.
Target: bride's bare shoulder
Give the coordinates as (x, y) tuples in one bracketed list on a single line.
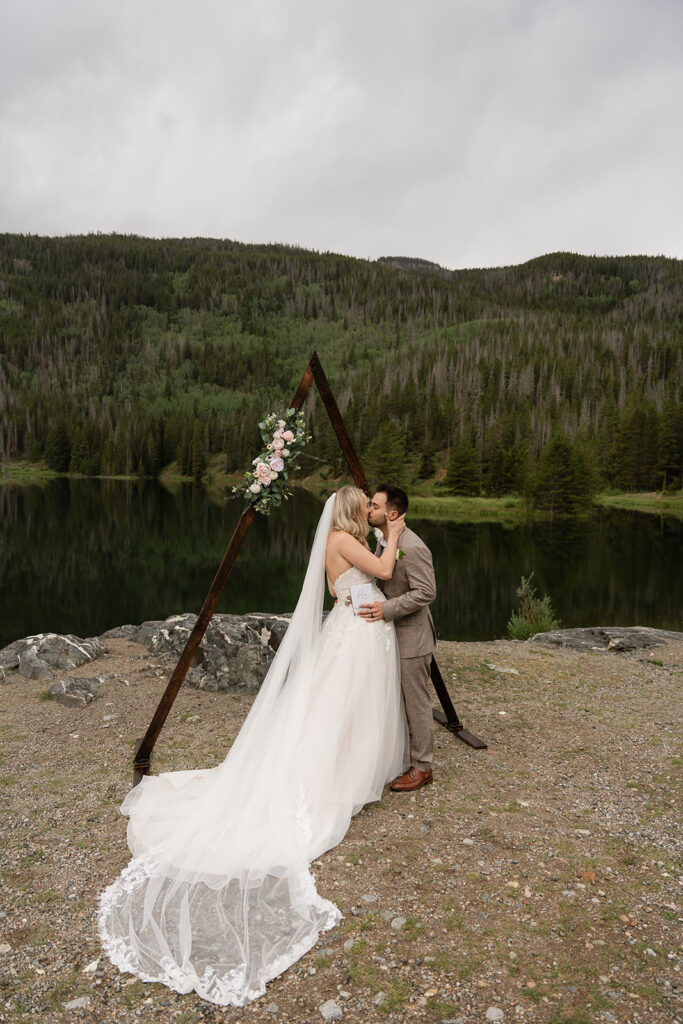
[(337, 537)]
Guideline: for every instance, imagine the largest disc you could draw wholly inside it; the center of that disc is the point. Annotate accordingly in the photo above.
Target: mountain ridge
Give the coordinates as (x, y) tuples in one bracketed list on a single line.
[(122, 354)]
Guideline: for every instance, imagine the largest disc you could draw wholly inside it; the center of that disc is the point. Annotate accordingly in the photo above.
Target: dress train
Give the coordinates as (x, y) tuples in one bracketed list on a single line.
[(219, 897)]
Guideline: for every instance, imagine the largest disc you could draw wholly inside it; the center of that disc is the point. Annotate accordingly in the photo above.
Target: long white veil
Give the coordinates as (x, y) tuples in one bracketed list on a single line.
[(218, 896)]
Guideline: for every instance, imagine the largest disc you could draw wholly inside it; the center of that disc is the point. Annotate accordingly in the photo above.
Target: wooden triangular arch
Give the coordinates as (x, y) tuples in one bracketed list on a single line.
[(143, 753)]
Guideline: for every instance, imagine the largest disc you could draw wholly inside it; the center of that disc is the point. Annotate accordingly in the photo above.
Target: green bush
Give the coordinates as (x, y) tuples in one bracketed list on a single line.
[(535, 614)]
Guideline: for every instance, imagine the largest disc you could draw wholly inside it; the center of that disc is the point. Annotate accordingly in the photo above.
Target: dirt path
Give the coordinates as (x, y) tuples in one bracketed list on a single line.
[(536, 877)]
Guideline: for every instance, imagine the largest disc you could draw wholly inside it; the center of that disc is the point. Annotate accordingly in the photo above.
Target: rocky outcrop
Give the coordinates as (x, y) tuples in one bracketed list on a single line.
[(234, 654), (607, 638), (76, 693), (41, 656)]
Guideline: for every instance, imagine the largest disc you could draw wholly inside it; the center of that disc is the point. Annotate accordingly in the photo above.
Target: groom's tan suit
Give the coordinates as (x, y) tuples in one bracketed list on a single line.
[(408, 594)]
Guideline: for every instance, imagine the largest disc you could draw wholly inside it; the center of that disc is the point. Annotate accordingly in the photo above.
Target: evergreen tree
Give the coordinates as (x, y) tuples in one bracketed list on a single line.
[(384, 458), (635, 447), (58, 448), (669, 469), (494, 468), (427, 463), (184, 454), (560, 485), (462, 472), (198, 453)]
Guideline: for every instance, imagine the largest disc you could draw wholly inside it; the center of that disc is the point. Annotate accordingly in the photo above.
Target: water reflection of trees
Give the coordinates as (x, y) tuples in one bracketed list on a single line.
[(82, 555), (611, 568)]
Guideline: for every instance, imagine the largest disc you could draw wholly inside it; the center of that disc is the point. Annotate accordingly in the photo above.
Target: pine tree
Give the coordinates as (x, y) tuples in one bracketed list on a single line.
[(635, 447), (669, 472), (427, 463), (462, 472), (559, 485), (384, 458), (198, 453), (58, 448)]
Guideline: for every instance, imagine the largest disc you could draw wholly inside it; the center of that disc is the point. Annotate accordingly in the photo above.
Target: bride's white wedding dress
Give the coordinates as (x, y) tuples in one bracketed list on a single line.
[(219, 896)]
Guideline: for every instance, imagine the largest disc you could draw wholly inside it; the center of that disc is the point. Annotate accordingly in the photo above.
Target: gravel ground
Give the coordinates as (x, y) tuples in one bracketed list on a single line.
[(534, 881)]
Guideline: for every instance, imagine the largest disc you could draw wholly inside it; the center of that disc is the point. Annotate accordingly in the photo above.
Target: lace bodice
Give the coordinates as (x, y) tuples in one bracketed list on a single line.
[(351, 578)]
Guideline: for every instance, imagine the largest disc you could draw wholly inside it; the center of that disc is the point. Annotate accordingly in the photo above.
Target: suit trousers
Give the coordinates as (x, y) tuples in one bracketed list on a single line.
[(417, 697)]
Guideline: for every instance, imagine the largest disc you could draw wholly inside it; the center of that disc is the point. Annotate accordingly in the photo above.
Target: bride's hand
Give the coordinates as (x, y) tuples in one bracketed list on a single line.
[(396, 526)]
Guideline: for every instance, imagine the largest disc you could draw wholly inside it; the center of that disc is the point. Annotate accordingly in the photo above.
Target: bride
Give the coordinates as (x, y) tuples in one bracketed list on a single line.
[(218, 896)]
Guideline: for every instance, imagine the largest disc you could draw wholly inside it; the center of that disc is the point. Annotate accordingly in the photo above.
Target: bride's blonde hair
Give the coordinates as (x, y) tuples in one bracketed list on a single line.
[(351, 513)]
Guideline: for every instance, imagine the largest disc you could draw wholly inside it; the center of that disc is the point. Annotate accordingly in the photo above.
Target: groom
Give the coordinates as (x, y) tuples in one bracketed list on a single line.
[(408, 594)]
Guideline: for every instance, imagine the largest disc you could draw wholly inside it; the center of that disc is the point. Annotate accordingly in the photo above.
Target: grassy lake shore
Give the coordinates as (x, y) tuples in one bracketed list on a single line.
[(654, 502), (424, 504)]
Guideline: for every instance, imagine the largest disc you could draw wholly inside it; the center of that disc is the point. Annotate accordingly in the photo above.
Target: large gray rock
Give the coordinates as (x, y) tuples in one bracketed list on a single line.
[(76, 693), (31, 666), (9, 656), (234, 655), (610, 638), (271, 628), (40, 656), (235, 652)]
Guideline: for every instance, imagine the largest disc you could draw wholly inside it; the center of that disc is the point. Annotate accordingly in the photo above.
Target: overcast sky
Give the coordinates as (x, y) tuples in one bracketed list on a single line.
[(469, 132)]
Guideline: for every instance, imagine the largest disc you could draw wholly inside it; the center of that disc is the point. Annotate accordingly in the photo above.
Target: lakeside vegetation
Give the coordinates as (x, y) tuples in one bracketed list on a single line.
[(659, 504), (424, 504), (553, 381)]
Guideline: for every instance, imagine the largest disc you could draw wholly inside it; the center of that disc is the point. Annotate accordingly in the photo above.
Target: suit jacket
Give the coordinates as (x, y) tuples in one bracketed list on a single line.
[(408, 594)]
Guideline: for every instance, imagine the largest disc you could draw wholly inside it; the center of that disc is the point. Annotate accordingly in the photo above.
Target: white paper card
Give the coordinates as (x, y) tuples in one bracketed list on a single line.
[(361, 594)]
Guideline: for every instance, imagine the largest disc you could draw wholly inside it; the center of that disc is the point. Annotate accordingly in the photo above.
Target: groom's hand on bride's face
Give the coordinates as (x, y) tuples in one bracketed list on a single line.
[(372, 612)]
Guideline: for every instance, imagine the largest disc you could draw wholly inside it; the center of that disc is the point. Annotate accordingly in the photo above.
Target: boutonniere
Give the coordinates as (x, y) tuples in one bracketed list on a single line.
[(399, 554)]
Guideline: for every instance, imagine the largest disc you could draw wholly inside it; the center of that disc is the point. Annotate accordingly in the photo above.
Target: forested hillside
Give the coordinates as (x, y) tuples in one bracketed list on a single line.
[(121, 354)]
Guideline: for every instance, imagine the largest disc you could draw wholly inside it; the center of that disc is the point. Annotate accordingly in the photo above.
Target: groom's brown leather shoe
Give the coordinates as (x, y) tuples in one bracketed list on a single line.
[(412, 779)]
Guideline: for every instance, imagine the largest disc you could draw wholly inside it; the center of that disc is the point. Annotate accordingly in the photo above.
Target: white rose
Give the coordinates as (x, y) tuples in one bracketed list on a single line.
[(273, 475), (255, 488), (285, 452), (281, 424)]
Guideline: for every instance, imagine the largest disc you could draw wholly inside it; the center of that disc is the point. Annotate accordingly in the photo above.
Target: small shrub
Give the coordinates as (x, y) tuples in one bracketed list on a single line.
[(535, 615)]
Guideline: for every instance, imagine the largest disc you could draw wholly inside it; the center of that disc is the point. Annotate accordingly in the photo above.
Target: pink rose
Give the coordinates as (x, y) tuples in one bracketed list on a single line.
[(263, 472), (278, 443), (288, 435), (277, 433), (276, 463)]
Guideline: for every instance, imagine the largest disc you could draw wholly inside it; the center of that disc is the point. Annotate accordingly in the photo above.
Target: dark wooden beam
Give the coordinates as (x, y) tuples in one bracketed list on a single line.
[(352, 460), (449, 717), (144, 747), (141, 764)]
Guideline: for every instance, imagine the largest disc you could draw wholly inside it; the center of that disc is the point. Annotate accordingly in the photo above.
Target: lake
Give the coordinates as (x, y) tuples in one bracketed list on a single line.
[(81, 556)]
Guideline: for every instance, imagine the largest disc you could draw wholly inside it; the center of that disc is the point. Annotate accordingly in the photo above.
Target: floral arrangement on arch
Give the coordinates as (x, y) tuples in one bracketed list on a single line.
[(265, 487)]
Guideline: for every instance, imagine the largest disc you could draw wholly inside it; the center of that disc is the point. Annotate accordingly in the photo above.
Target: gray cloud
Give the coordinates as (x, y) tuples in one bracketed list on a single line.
[(471, 132)]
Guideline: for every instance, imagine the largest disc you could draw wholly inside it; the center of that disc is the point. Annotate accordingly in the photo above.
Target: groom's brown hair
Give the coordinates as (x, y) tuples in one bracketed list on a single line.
[(396, 498)]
